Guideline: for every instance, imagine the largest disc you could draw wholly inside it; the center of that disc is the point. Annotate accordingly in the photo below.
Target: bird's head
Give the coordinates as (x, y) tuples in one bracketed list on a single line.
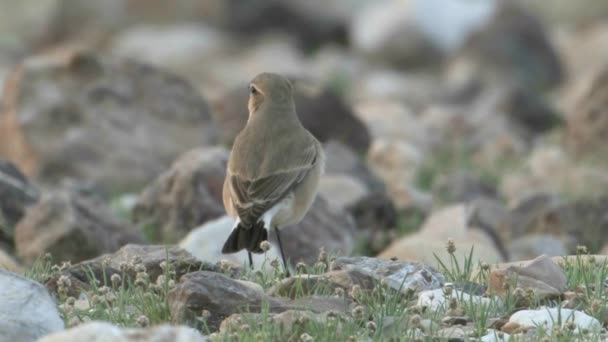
[(269, 90)]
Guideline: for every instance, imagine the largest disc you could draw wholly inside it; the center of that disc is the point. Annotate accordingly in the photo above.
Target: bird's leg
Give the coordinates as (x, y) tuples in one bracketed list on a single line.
[(250, 259), (276, 231)]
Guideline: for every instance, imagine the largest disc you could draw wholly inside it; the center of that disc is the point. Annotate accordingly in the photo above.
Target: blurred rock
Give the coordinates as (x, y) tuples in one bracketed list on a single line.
[(397, 163), (321, 111), (340, 159), (382, 117), (183, 197), (80, 106), (416, 89), (532, 245), (579, 222), (223, 296), (462, 186), (376, 220), (306, 284), (24, 25), (449, 223), (604, 250), (568, 12), (123, 263), (584, 51), (342, 191), (398, 275), (16, 194), (543, 276), (180, 48), (8, 262), (70, 227), (587, 124), (104, 331), (551, 169), (387, 31), (27, 311), (323, 227), (511, 47)]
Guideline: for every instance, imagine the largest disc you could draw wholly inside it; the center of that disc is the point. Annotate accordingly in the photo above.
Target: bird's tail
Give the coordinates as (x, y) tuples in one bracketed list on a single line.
[(248, 238)]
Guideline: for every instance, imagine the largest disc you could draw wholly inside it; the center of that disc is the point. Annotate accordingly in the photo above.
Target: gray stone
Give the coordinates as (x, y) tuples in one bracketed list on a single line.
[(27, 311), (16, 194), (399, 275)]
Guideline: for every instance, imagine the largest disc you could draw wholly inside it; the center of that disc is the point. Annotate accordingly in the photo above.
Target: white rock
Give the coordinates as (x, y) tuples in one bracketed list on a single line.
[(548, 317), (495, 336), (205, 243), (106, 332), (27, 311), (436, 299)]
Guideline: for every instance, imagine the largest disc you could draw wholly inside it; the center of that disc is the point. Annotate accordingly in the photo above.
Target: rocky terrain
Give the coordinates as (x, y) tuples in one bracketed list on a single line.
[(465, 195)]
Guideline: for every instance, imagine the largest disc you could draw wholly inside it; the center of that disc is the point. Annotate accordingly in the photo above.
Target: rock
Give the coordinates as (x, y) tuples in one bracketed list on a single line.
[(551, 169), (461, 186), (123, 262), (387, 31), (566, 12), (306, 284), (376, 220), (381, 115), (103, 331), (547, 318), (312, 105), (580, 222), (223, 296), (587, 122), (436, 299), (70, 227), (341, 159), (8, 263), (181, 48), (415, 89), (342, 191), (16, 194), (604, 250), (541, 275), (397, 163), (528, 60), (25, 25), (98, 104), (183, 197), (453, 222), (27, 312), (323, 227), (457, 332), (205, 244), (398, 275), (533, 245)]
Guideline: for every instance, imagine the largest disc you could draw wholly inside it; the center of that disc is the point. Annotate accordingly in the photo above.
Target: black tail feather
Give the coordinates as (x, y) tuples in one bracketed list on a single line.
[(246, 238)]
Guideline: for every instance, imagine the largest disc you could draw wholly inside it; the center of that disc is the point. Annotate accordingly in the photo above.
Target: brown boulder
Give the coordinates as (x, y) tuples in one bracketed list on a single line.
[(63, 113), (70, 227)]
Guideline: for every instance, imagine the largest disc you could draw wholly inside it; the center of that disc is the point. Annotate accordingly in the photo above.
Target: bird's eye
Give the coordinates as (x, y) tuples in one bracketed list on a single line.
[(252, 90)]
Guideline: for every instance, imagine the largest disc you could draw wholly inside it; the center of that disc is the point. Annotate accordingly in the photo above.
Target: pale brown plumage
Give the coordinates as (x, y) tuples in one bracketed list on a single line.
[(274, 168)]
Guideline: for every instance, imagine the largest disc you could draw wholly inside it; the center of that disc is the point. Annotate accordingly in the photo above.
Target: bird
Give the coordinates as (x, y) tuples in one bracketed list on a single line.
[(273, 171)]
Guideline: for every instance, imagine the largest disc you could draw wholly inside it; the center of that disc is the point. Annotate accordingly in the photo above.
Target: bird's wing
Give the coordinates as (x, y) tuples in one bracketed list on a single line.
[(251, 198)]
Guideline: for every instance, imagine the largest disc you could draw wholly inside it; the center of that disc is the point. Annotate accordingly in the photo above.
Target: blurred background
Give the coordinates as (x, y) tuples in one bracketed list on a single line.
[(482, 121)]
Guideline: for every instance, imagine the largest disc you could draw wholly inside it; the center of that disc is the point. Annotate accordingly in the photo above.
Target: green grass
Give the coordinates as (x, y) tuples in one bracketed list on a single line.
[(378, 314)]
